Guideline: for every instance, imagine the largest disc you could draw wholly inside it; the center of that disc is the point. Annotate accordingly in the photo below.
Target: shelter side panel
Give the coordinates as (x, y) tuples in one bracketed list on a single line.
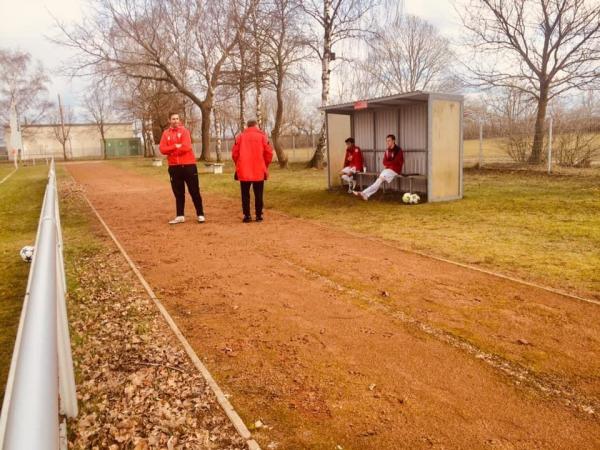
[(445, 150), (338, 130)]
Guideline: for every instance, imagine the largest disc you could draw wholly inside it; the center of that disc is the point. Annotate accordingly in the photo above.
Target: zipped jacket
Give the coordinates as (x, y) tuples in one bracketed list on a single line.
[(181, 156)]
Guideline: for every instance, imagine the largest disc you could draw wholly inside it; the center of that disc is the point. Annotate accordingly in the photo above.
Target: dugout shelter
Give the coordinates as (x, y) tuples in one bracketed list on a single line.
[(427, 126)]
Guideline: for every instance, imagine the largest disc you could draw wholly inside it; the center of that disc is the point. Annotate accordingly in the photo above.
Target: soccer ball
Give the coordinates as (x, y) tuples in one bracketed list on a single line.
[(27, 253), (414, 199), (406, 198)]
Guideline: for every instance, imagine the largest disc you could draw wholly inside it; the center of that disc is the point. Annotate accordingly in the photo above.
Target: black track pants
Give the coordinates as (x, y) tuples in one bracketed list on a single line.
[(180, 176), (258, 187)]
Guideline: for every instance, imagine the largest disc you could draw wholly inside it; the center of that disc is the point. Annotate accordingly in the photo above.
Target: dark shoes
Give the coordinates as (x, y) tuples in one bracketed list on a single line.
[(248, 219)]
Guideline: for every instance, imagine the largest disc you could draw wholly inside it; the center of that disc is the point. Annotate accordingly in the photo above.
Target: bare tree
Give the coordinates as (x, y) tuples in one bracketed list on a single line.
[(248, 61), (240, 67), (150, 101), (185, 44), (540, 47), (99, 105), (575, 127), (409, 55), (24, 84), (513, 114), (285, 46), (62, 127), (260, 32), (336, 21)]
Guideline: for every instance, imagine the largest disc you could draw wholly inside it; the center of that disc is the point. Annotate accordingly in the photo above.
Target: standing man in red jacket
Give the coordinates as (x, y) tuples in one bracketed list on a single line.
[(393, 160), (252, 155), (176, 143)]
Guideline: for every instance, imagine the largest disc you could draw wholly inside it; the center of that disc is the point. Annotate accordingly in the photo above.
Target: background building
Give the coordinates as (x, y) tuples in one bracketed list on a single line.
[(83, 142)]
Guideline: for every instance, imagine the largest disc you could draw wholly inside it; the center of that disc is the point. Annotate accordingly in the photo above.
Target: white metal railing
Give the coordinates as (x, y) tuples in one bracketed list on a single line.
[(41, 369)]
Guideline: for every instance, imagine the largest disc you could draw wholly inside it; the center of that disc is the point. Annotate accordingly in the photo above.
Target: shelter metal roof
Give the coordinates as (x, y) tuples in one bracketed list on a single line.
[(387, 102)]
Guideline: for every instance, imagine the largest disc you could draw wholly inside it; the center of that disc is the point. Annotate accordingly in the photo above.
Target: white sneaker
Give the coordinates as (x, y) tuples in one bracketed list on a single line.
[(176, 220), (201, 219), (361, 195)]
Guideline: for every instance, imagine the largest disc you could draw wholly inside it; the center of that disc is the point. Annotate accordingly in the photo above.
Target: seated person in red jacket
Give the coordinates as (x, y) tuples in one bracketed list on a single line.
[(393, 159), (353, 162)]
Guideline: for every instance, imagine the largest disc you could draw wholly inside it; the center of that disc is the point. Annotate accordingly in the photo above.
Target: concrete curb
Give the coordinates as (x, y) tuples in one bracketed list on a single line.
[(230, 411)]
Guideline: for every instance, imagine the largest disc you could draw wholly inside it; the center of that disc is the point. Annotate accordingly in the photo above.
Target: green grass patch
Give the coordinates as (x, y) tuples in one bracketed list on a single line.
[(538, 227), (5, 169), (21, 199), (492, 148)]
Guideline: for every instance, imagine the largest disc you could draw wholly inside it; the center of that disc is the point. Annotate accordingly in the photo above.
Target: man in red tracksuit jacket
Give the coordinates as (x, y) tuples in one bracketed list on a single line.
[(252, 155), (353, 162), (393, 160), (176, 143)]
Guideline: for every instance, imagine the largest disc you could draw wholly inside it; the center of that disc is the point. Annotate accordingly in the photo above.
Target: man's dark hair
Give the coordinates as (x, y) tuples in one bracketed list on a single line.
[(392, 137), (171, 114), (349, 140), (251, 123)]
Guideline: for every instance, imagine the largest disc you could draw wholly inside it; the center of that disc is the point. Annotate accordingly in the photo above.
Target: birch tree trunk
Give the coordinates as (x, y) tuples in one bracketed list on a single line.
[(218, 133), (318, 158)]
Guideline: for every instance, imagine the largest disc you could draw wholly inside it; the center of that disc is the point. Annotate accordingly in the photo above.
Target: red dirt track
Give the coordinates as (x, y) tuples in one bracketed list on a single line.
[(331, 339)]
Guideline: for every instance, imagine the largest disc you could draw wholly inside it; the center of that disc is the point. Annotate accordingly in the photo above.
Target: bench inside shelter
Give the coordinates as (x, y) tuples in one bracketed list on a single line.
[(413, 178)]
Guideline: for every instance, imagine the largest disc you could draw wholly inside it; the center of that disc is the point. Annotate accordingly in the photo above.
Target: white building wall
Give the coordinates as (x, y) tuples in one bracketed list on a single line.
[(39, 141)]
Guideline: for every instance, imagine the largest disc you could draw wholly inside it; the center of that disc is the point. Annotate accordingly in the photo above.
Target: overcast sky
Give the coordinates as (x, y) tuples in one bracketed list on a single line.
[(26, 24)]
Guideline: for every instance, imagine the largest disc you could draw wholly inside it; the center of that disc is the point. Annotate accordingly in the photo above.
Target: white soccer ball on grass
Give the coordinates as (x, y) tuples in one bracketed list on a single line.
[(414, 199), (406, 198), (27, 253)]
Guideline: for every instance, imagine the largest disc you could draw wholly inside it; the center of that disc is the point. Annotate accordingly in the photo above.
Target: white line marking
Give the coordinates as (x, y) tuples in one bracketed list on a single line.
[(8, 176)]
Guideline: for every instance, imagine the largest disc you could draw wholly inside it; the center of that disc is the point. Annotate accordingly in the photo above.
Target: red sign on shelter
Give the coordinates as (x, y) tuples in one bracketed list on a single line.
[(361, 104)]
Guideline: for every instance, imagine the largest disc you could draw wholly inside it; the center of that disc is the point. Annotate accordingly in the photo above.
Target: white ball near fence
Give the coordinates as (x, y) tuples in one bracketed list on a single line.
[(27, 253)]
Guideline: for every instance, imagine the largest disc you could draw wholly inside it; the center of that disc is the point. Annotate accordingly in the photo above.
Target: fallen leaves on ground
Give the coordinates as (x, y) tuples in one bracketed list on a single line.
[(136, 387)]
